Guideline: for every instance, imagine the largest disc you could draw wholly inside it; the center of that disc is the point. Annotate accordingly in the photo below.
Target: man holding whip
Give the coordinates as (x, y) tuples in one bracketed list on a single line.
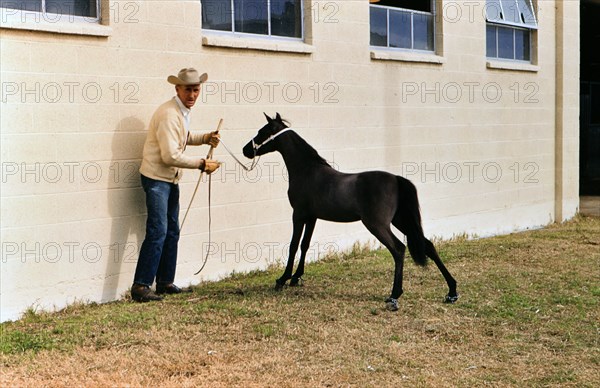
[(161, 169)]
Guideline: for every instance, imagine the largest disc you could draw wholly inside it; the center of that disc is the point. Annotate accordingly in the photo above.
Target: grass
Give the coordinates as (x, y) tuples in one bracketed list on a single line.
[(529, 315)]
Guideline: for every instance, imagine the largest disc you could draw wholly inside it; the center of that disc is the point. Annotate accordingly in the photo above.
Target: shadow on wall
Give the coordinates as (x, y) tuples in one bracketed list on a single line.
[(126, 204)]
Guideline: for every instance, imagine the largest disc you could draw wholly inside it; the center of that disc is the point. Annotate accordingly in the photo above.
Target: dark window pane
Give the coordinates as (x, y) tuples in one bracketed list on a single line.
[(423, 32), (506, 45), (286, 18), (522, 45), (216, 15), (251, 16), (72, 7), (378, 27), (415, 5), (22, 5), (400, 26), (490, 44)]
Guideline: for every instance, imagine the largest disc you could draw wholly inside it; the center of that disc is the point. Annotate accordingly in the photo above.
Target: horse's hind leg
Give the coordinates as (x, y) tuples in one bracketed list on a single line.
[(397, 249), (432, 253), (308, 232), (287, 274)]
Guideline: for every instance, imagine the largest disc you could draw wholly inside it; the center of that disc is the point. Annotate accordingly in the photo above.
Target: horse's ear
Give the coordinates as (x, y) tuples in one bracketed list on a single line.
[(268, 118), (278, 117)]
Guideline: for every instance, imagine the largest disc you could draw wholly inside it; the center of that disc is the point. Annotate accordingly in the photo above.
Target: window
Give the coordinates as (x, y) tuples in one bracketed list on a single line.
[(279, 18), (82, 8), (406, 24), (510, 24)]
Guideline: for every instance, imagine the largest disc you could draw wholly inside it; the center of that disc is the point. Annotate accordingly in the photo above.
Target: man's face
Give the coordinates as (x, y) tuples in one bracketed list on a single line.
[(188, 94)]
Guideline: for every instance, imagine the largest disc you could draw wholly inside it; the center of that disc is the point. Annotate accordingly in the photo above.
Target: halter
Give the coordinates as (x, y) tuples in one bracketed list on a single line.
[(255, 148), (269, 139)]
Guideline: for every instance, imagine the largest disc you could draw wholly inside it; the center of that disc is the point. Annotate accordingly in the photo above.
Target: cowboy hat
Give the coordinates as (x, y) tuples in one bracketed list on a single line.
[(189, 76)]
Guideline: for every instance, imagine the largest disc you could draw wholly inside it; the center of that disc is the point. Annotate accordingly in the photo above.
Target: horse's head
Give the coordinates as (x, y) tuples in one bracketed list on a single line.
[(263, 143)]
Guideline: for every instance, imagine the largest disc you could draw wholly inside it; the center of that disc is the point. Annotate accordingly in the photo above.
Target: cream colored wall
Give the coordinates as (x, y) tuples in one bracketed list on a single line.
[(72, 208), (567, 107)]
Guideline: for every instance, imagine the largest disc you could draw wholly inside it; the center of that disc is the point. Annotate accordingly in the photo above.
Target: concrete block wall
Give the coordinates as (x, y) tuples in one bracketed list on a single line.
[(75, 109)]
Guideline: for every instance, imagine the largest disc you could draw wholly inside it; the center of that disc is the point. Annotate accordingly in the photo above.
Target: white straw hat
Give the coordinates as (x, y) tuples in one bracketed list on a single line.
[(189, 76)]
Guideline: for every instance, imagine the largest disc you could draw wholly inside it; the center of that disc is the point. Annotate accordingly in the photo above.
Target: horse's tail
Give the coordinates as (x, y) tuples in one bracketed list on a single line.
[(410, 214)]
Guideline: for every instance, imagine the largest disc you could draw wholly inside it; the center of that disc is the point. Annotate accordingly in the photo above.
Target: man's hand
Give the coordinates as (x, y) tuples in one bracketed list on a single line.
[(212, 138), (209, 166)]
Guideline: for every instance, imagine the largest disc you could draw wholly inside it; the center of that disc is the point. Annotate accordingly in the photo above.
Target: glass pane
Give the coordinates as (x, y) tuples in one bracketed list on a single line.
[(522, 48), (22, 5), (527, 13), (493, 10), (400, 26), (216, 15), (251, 16), (378, 27), (286, 18), (511, 12), (72, 7), (416, 5), (490, 44), (506, 45), (423, 32)]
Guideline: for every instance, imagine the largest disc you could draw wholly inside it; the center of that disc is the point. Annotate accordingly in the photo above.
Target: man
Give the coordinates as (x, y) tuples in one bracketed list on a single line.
[(161, 170)]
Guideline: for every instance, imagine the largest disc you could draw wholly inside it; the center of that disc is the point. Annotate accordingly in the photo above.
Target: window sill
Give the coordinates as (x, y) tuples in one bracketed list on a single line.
[(266, 44), (72, 28), (514, 66), (404, 56)]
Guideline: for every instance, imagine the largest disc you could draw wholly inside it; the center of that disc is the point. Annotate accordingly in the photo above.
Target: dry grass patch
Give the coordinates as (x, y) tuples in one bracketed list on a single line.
[(529, 314)]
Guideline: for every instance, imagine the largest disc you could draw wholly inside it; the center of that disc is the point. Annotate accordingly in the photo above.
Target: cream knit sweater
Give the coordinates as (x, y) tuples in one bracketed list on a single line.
[(163, 156)]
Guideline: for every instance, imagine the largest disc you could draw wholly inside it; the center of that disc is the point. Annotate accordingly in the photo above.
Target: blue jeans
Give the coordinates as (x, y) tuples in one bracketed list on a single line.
[(158, 255)]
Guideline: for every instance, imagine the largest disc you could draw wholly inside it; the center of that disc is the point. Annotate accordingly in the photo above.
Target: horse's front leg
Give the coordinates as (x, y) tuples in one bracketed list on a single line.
[(287, 274), (308, 232)]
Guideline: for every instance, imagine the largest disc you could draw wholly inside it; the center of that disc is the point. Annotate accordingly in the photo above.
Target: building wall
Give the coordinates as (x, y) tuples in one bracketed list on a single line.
[(491, 150)]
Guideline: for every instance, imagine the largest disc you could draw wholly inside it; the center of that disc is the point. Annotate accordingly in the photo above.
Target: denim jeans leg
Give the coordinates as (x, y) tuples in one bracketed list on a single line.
[(157, 203), (168, 260)]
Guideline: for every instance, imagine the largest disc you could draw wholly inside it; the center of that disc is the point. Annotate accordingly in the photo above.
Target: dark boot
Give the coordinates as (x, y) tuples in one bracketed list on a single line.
[(171, 289), (142, 293)]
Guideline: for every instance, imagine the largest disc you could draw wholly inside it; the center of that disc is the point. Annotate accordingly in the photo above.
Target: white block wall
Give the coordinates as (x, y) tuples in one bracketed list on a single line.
[(75, 109)]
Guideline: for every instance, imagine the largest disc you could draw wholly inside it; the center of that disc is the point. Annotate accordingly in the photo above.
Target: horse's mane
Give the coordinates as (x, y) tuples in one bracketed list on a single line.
[(301, 144), (308, 150)]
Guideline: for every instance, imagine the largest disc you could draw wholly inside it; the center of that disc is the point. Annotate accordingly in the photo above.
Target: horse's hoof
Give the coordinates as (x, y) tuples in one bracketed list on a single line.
[(296, 282), (451, 299), (279, 286), (391, 304)]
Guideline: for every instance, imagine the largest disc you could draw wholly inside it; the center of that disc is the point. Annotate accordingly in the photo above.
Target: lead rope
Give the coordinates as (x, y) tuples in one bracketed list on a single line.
[(252, 167), (209, 227), (209, 156), (254, 159)]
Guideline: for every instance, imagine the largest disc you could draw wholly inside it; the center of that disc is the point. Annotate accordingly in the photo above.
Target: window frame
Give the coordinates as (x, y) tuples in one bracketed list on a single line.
[(25, 17), (514, 43), (412, 12), (531, 28), (268, 36)]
